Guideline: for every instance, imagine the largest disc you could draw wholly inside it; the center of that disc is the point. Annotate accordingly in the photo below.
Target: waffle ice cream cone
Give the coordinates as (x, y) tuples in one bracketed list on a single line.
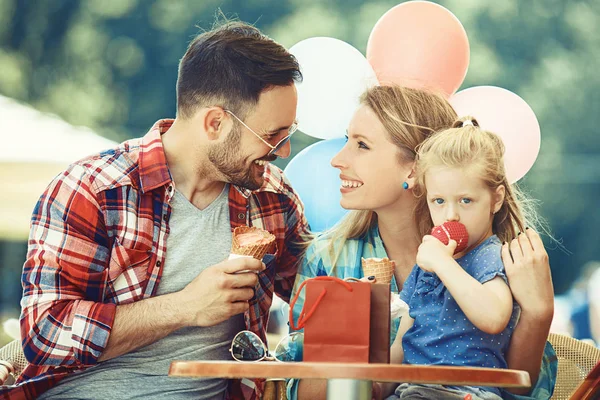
[(251, 241), (381, 268)]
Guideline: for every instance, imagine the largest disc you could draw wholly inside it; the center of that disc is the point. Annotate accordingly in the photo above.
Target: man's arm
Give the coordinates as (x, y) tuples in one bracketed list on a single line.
[(64, 321), (297, 237), (214, 296), (142, 323)]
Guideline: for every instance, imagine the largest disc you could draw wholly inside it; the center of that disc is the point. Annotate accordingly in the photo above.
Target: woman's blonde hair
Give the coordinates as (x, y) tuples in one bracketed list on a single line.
[(409, 116), (467, 145)]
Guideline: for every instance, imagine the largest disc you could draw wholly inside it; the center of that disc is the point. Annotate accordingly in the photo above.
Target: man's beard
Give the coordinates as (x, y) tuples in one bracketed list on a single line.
[(227, 159)]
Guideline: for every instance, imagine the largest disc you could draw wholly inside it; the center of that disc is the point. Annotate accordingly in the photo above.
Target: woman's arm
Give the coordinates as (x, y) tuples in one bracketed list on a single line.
[(528, 271), (397, 353)]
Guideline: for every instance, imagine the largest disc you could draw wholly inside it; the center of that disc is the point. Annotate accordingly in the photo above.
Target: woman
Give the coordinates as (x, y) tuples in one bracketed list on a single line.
[(376, 172)]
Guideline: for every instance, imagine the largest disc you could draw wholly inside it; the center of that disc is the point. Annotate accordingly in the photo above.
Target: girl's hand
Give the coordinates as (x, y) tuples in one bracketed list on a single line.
[(432, 253), (528, 272)]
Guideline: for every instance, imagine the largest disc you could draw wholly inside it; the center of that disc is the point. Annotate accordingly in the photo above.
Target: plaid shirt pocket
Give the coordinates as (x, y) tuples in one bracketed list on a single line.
[(127, 273)]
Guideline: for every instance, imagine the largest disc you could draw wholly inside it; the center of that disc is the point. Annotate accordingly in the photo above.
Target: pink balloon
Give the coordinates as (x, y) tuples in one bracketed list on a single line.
[(510, 117), (419, 44)]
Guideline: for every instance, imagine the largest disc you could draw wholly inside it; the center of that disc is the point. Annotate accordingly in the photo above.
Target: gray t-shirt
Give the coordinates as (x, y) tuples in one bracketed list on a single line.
[(197, 240)]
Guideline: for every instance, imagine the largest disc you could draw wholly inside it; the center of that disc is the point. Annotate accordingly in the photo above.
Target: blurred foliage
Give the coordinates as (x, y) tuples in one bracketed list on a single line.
[(112, 65)]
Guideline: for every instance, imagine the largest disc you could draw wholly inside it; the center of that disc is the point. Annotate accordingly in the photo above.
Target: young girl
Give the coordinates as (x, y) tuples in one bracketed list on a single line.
[(461, 308)]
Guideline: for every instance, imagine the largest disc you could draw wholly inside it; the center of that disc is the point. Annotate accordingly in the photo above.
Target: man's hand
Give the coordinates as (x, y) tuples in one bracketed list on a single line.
[(220, 291), (432, 253)]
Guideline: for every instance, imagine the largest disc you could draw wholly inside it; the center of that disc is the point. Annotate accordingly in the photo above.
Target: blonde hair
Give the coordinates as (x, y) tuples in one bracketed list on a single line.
[(467, 145), (409, 116)]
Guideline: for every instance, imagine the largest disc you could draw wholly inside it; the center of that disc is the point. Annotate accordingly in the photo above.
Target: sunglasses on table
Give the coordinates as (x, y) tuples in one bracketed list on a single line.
[(247, 346)]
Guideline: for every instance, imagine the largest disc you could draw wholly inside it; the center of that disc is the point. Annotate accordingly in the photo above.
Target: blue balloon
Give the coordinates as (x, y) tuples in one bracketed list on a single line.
[(318, 183)]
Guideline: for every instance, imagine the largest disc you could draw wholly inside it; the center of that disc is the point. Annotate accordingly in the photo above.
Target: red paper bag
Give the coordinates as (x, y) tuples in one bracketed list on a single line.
[(380, 323), (336, 320)]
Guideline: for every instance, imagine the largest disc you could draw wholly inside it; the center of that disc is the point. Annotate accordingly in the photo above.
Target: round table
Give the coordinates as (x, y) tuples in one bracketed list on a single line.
[(353, 381)]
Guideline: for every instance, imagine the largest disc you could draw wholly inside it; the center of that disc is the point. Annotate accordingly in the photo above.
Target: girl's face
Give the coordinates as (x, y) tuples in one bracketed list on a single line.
[(370, 172), (459, 194)]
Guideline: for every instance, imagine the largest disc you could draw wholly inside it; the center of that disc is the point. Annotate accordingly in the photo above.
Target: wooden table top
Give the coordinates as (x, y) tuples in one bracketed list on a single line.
[(448, 375)]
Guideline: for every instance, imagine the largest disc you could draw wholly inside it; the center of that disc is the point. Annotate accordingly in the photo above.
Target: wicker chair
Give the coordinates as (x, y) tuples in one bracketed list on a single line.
[(590, 388), (12, 362), (576, 360)]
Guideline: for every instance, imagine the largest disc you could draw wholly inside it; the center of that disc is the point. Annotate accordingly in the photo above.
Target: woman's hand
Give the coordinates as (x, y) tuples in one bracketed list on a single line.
[(432, 253), (368, 279), (528, 271)]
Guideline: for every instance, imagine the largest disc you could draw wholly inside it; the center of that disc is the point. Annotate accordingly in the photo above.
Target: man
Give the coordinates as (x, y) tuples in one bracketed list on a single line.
[(125, 270)]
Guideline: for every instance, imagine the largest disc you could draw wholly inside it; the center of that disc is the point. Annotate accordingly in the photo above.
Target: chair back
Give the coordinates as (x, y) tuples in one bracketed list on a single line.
[(576, 359), (12, 362), (590, 388)]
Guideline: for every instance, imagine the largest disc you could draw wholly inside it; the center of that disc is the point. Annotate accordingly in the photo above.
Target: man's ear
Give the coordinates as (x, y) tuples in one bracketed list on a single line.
[(213, 122), (498, 198)]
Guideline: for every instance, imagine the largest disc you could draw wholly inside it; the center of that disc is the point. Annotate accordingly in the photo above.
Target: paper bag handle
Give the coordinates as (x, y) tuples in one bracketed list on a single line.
[(305, 316)]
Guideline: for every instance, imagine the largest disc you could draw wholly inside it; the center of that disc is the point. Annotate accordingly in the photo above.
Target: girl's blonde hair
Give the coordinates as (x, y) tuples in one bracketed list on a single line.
[(466, 145), (409, 116)]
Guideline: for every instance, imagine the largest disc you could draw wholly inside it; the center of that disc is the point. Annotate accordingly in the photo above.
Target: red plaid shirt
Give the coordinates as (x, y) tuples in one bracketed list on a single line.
[(98, 240)]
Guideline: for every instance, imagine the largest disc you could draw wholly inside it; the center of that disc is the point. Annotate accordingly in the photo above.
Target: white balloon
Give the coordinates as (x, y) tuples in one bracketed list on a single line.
[(335, 75)]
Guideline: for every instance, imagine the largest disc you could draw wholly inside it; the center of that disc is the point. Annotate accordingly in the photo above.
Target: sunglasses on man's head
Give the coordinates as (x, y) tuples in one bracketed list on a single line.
[(279, 145), (247, 346)]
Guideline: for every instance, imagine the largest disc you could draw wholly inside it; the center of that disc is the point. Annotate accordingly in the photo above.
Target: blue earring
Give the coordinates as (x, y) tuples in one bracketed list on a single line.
[(404, 185)]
